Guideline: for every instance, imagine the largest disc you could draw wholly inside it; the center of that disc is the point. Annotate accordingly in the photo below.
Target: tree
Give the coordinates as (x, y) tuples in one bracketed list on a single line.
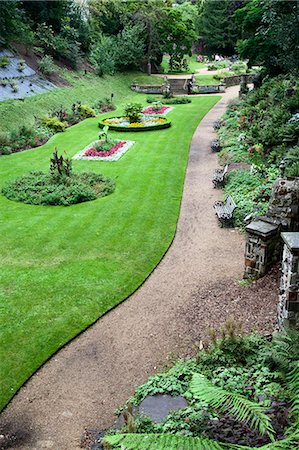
[(177, 36), (217, 25), (269, 34)]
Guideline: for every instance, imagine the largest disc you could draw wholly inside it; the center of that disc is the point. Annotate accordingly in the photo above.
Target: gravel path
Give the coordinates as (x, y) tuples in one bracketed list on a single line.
[(83, 384)]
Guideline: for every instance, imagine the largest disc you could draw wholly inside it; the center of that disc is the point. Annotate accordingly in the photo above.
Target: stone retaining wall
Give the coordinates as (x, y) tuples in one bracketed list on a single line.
[(207, 88), (148, 88), (288, 306), (234, 80)]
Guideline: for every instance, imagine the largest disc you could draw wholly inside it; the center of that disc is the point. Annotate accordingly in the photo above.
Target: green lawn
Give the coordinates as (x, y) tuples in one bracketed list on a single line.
[(206, 79), (192, 63), (63, 267)]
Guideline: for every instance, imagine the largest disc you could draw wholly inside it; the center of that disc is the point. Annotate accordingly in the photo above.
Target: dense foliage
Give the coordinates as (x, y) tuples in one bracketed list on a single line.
[(241, 390), (56, 121), (260, 131), (117, 35)]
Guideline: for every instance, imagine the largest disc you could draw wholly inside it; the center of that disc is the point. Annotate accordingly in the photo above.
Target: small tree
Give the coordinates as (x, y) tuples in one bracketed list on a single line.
[(133, 111), (60, 166)]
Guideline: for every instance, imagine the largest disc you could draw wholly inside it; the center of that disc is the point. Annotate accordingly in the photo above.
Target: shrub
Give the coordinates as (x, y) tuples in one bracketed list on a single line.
[(104, 105), (55, 124), (14, 86), (133, 111), (46, 65), (21, 65), (86, 111), (177, 101), (38, 188), (4, 82), (4, 61)]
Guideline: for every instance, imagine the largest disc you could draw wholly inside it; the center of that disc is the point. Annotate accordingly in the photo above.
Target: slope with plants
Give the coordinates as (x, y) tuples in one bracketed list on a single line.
[(261, 130), (242, 393)]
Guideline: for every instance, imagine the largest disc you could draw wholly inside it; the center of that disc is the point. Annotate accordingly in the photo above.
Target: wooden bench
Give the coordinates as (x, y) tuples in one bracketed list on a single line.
[(225, 210), (219, 176)]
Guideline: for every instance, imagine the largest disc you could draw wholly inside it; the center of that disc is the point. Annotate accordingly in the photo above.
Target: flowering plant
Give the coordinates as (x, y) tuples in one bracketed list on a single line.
[(154, 110)]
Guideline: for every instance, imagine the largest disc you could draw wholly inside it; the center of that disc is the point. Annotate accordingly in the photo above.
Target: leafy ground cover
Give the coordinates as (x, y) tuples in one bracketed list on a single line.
[(242, 393), (260, 130), (62, 268)]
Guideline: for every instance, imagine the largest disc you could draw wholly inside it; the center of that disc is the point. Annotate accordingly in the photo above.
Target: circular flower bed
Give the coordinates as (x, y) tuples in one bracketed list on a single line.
[(39, 188), (146, 122)]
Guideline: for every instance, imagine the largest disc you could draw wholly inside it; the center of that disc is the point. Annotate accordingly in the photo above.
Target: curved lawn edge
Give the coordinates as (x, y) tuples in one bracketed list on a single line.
[(153, 264)]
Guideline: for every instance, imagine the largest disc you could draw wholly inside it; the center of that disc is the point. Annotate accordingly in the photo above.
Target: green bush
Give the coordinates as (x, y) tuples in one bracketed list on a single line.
[(55, 124), (86, 111), (133, 111), (39, 188), (4, 61), (46, 65), (177, 101)]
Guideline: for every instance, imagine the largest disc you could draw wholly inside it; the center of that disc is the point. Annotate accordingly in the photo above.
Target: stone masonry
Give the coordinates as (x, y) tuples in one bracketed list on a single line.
[(263, 243), (288, 306)]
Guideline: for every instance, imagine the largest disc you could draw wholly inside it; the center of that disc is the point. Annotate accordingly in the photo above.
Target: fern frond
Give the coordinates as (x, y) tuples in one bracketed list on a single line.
[(234, 404), (159, 442), (293, 385)]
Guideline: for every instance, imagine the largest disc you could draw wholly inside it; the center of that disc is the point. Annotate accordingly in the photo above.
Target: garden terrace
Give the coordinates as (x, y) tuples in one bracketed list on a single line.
[(70, 271)]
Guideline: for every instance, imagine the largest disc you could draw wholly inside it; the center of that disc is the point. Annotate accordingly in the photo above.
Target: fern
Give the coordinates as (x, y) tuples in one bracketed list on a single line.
[(293, 385), (159, 442), (290, 443), (176, 442), (234, 404)]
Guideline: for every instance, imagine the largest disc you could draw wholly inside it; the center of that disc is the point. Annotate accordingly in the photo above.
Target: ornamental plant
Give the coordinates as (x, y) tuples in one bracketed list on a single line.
[(133, 112), (60, 166)]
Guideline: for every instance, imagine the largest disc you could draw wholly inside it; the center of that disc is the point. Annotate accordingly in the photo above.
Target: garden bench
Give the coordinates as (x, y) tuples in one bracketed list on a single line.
[(215, 146), (219, 176), (225, 210)]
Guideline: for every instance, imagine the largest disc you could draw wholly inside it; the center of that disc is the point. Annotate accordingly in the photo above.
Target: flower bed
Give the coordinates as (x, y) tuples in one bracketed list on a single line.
[(113, 154), (145, 123), (161, 111)]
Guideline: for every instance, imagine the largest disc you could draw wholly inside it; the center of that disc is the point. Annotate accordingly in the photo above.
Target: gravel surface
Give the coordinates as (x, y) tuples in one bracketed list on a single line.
[(193, 287)]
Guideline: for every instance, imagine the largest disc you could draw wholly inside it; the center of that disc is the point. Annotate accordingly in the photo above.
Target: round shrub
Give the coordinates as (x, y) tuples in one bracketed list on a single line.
[(39, 188)]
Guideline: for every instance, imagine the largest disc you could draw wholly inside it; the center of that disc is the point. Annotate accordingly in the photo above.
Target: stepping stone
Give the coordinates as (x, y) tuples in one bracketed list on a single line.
[(157, 407)]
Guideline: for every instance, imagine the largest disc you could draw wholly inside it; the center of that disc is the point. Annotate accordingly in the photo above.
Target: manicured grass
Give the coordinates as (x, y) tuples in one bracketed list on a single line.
[(86, 88), (63, 267), (206, 79), (192, 63)]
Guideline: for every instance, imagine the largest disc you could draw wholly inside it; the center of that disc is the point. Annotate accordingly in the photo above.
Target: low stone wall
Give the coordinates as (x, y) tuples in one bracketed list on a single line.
[(148, 88), (207, 88), (234, 80)]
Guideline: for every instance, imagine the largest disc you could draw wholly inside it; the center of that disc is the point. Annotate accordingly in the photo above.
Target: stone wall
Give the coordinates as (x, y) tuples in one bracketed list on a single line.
[(288, 306), (263, 244), (234, 80), (148, 88), (207, 89)]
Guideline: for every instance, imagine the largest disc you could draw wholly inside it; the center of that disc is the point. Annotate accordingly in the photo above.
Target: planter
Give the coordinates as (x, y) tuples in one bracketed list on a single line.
[(147, 122)]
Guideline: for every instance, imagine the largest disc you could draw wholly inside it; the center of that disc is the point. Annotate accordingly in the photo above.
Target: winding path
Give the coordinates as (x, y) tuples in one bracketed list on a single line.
[(83, 384)]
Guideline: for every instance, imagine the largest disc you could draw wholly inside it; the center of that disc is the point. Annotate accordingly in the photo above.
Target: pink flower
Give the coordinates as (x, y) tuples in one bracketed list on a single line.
[(93, 152), (149, 110)]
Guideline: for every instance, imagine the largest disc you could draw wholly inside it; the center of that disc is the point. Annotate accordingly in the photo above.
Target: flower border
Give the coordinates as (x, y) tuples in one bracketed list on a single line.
[(169, 108), (115, 157)]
